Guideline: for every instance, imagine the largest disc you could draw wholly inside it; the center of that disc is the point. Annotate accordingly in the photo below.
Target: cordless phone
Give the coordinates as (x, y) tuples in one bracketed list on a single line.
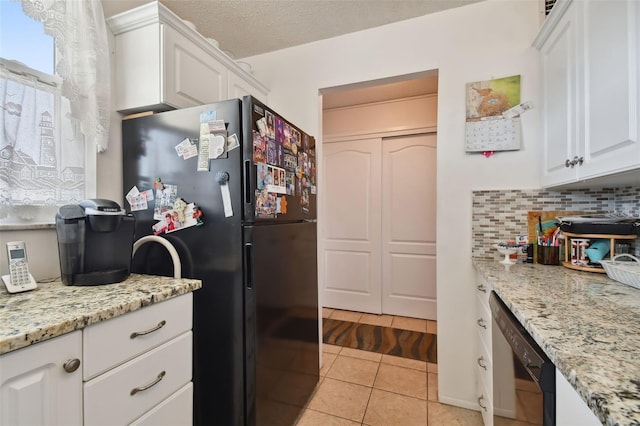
[(19, 278)]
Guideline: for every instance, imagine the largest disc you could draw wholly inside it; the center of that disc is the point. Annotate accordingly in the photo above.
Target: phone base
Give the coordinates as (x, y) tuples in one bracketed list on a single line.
[(18, 288)]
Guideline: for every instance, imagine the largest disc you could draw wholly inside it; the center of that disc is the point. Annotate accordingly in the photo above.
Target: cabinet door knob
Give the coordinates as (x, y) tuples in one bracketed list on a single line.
[(482, 288), (151, 330), (150, 385), (568, 163), (481, 323), (480, 402), (481, 363), (71, 365), (579, 160)]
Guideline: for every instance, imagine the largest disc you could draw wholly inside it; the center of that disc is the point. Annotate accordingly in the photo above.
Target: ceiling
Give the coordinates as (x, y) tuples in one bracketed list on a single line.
[(251, 27)]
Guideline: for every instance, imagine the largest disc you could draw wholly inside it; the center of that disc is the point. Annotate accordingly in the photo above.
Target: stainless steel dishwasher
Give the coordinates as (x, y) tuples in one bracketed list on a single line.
[(524, 379)]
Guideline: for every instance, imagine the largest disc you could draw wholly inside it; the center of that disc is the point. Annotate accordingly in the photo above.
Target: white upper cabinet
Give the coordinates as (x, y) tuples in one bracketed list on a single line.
[(589, 54), (161, 63)]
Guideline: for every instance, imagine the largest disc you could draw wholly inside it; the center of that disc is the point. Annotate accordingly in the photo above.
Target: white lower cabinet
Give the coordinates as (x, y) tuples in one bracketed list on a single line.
[(135, 363), (125, 393), (136, 367), (571, 410), (175, 410), (42, 384), (482, 355)]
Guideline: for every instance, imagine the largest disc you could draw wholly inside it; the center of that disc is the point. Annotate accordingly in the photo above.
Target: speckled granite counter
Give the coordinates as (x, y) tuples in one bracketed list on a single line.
[(587, 324), (54, 309)]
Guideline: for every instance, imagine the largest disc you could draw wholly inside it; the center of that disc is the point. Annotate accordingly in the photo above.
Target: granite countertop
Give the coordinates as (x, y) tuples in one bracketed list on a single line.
[(54, 309), (588, 325)]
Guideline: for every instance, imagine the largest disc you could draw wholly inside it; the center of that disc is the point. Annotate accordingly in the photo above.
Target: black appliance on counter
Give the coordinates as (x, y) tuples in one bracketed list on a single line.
[(524, 379), (256, 322), (95, 241)]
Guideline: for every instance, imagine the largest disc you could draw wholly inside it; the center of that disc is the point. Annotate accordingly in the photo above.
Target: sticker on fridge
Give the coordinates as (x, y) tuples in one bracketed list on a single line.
[(304, 200), (232, 142), (275, 180), (137, 201), (259, 148), (265, 204), (271, 125), (177, 219), (262, 176), (165, 197), (279, 129)]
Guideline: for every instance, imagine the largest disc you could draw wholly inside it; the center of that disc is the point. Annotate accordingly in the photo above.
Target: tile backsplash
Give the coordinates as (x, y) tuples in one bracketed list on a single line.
[(499, 215)]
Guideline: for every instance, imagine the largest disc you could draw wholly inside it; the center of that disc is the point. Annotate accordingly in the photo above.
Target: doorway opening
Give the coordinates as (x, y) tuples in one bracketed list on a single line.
[(377, 227)]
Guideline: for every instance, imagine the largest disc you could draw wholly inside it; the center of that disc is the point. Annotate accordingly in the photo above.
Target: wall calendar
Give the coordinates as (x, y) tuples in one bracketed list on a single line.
[(493, 115), (502, 134)]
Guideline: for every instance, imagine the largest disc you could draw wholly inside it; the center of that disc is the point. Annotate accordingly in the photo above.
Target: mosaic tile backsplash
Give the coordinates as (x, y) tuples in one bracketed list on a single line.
[(500, 215)]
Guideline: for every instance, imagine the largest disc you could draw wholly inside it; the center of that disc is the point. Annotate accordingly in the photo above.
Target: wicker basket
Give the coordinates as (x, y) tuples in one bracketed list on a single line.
[(624, 272)]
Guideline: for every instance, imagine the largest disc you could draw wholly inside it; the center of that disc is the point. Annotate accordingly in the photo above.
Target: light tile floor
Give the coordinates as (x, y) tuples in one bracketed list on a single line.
[(366, 388)]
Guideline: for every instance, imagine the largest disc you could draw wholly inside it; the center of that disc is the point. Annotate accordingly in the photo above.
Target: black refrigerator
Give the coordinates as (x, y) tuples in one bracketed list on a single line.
[(232, 185)]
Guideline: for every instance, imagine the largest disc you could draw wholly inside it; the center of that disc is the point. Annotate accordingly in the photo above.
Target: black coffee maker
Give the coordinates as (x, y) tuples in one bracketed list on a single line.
[(95, 240)]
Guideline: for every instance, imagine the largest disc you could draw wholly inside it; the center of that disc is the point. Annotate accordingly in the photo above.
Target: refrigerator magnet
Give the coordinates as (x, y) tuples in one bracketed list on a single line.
[(271, 153), (290, 183), (287, 135), (271, 125), (258, 148), (265, 204), (279, 129), (207, 116), (137, 201), (262, 171), (164, 200), (184, 144), (217, 145), (296, 136), (223, 180), (283, 204), (262, 126), (232, 142), (203, 156)]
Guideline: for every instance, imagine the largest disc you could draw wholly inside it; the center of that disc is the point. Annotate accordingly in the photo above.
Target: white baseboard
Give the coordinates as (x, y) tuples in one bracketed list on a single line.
[(470, 405)]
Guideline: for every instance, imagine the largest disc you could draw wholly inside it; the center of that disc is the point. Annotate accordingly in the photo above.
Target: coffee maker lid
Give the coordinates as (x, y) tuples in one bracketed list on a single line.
[(101, 207), (70, 212)]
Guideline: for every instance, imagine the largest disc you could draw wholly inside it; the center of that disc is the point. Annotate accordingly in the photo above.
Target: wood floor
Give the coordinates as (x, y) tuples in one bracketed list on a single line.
[(375, 388)]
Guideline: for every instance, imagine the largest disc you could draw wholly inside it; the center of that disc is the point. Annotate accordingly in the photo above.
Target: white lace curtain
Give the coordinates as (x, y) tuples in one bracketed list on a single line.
[(82, 60)]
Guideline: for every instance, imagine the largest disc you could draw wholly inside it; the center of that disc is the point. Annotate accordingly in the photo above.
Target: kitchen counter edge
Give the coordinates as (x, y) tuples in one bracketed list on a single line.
[(54, 309)]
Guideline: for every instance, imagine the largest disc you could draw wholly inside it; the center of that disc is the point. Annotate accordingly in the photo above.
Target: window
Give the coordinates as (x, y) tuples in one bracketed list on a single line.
[(50, 121)]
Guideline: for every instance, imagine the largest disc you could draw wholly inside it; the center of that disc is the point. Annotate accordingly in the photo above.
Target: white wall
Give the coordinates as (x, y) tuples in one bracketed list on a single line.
[(486, 40)]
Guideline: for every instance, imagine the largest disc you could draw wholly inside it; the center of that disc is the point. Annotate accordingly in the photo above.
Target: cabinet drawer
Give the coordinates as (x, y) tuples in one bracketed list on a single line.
[(483, 366), (110, 343), (108, 399), (175, 410), (485, 401), (483, 288), (483, 322)]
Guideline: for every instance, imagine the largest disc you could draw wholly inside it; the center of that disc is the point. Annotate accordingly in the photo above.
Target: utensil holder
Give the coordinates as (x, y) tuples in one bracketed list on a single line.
[(549, 255)]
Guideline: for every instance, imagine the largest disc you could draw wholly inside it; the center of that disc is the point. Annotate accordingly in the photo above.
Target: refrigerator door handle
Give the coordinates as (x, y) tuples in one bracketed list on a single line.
[(248, 265), (247, 183)]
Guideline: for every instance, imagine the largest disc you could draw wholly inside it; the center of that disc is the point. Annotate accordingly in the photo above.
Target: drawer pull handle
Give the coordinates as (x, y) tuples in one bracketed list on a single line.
[(480, 400), (151, 330), (150, 385), (71, 365), (481, 363), (482, 288), (481, 323)]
